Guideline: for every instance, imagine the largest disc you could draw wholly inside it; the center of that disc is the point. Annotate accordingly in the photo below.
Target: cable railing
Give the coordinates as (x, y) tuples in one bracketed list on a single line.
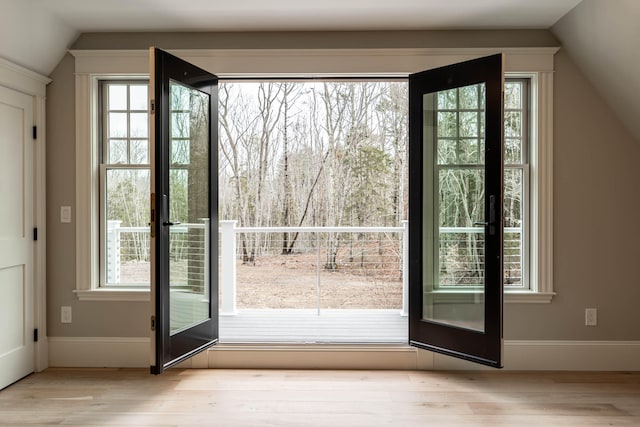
[(461, 256), (312, 267), (306, 267), (128, 255)]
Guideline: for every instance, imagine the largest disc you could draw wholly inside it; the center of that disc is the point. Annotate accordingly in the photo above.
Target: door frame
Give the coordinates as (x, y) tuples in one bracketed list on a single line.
[(377, 62), (484, 346), (15, 77)]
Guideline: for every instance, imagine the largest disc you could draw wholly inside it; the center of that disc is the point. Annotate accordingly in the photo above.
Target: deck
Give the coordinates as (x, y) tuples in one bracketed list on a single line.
[(307, 326), (374, 326)]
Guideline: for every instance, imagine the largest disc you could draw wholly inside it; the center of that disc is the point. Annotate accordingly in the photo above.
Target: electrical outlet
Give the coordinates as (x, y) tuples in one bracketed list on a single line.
[(65, 314), (590, 316)]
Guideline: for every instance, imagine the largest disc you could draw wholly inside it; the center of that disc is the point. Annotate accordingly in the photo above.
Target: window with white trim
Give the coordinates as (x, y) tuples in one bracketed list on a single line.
[(124, 183), (460, 152), (113, 160), (516, 183)]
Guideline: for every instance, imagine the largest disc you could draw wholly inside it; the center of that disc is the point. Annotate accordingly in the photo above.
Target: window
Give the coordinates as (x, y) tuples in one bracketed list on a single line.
[(112, 158), (124, 176), (516, 184), (460, 166), (459, 198), (124, 183)]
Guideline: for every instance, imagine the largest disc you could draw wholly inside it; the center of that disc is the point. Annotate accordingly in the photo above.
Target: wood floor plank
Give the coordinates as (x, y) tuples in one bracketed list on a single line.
[(283, 398)]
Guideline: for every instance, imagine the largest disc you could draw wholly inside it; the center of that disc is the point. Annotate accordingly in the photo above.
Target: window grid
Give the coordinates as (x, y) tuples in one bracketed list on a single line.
[(124, 171), (521, 167), (516, 233)]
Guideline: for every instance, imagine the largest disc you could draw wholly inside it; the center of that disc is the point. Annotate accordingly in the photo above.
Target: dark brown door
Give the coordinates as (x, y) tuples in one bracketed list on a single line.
[(455, 210), (184, 219)]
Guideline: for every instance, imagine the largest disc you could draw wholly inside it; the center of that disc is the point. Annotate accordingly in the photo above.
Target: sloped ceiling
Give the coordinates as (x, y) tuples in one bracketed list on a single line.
[(37, 33), (33, 37), (603, 38)]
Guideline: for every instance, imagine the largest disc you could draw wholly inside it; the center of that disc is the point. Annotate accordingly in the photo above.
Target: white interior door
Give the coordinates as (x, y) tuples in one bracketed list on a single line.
[(16, 236)]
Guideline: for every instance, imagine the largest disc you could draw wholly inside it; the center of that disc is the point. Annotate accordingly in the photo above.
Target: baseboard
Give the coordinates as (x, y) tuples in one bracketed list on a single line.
[(558, 356), (518, 355), (99, 352)]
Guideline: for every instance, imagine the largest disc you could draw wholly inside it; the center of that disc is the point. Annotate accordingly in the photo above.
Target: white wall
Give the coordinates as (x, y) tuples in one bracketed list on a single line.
[(32, 37), (602, 37)]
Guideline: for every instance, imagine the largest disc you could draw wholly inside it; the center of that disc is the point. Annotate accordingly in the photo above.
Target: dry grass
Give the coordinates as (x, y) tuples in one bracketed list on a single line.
[(290, 281)]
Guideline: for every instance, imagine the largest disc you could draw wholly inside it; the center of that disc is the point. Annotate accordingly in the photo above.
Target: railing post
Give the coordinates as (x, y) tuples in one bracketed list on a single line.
[(113, 251), (405, 268), (228, 268)]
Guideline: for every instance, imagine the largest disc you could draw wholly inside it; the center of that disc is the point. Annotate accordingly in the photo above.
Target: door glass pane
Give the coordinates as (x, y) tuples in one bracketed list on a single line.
[(454, 192), (188, 207)]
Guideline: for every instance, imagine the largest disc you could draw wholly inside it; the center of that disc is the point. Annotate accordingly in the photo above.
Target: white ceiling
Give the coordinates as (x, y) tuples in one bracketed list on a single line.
[(259, 15), (37, 33)]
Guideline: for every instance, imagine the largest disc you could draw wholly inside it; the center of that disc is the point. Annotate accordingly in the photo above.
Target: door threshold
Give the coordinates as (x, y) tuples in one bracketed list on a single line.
[(313, 356)]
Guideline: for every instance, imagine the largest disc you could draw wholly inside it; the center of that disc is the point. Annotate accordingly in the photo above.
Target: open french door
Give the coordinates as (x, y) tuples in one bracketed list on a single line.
[(184, 210), (455, 210)]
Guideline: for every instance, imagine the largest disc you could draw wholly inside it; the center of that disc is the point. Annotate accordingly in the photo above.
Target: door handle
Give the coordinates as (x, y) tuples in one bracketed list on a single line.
[(492, 217), (165, 204)]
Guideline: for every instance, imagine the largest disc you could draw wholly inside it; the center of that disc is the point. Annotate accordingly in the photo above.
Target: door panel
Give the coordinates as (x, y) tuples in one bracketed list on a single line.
[(16, 241), (455, 168), (184, 205)]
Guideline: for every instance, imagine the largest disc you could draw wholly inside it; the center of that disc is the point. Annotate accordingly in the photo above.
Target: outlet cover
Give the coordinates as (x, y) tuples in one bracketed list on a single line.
[(65, 314)]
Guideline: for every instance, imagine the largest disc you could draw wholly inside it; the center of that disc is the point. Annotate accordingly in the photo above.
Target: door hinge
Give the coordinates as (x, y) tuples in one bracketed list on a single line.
[(153, 106), (35, 132), (35, 335), (35, 233), (153, 323)]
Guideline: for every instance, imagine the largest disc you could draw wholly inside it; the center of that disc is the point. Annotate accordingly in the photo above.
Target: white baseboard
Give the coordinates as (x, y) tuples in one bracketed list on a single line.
[(518, 356), (99, 352), (558, 356)]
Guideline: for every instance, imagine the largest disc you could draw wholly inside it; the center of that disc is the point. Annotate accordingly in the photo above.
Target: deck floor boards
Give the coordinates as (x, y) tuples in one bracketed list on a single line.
[(307, 326)]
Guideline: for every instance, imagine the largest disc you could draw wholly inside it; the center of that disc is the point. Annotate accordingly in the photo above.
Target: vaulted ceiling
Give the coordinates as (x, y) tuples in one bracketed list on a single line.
[(36, 33), (601, 35)]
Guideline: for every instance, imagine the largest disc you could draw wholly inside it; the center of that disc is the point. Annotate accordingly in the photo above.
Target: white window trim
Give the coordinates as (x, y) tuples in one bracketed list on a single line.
[(92, 65)]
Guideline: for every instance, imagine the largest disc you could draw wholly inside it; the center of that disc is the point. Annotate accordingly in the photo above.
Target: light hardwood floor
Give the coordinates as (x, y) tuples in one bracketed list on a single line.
[(128, 397)]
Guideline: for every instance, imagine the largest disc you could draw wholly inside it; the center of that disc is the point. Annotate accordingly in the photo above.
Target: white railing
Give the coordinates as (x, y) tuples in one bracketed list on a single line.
[(131, 245), (466, 265), (461, 268), (231, 251)]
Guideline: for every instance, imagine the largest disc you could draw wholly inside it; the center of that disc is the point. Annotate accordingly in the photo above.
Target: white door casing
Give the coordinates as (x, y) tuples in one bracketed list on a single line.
[(16, 236)]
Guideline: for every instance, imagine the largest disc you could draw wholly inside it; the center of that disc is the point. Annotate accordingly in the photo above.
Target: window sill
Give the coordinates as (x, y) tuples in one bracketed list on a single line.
[(122, 294), (143, 295), (510, 297), (528, 297)]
